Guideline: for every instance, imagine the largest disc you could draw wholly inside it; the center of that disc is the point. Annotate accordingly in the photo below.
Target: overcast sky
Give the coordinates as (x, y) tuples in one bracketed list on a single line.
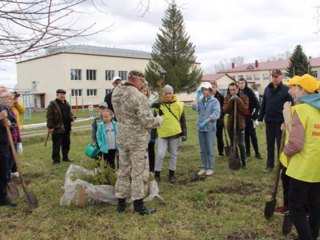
[(219, 29)]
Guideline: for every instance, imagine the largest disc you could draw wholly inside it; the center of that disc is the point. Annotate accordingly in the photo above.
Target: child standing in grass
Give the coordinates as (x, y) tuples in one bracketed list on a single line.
[(106, 137), (208, 109)]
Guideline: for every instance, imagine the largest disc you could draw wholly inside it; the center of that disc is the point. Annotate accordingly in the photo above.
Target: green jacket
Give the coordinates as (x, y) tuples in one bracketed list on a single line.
[(54, 117)]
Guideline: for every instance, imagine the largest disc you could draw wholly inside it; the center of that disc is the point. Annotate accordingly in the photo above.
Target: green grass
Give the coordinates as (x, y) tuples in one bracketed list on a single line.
[(228, 205)]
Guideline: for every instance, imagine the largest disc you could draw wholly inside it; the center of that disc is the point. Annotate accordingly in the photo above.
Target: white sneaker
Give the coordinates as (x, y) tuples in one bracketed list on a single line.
[(202, 172), (209, 172)]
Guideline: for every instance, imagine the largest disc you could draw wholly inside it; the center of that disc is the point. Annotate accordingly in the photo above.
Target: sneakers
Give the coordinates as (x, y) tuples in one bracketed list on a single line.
[(281, 210), (202, 172), (209, 172), (268, 169)]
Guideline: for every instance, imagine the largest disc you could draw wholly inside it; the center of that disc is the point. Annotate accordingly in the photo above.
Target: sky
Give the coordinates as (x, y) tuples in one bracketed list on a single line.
[(220, 30)]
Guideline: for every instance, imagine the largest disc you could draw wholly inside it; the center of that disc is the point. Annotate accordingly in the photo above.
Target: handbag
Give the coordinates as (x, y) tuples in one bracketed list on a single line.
[(92, 151)]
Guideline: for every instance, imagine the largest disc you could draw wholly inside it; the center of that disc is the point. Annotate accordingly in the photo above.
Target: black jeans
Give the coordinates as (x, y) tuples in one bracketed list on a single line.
[(109, 157), (151, 154), (302, 194), (273, 133), (220, 126), (250, 133), (60, 141), (4, 161)]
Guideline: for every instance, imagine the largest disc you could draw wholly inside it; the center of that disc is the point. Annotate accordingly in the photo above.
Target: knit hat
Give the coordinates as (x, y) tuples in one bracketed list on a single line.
[(292, 81), (308, 83), (61, 91), (167, 89), (115, 78), (103, 105)]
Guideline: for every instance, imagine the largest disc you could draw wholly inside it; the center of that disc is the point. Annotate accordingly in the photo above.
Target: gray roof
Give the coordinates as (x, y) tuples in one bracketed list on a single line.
[(103, 51)]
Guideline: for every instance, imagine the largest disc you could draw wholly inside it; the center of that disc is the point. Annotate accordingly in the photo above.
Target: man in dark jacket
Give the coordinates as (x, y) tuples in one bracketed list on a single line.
[(274, 96), (250, 116), (59, 118), (220, 121)]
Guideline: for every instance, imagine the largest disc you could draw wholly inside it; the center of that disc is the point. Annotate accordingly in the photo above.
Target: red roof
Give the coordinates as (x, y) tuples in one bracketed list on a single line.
[(263, 66), (214, 77)]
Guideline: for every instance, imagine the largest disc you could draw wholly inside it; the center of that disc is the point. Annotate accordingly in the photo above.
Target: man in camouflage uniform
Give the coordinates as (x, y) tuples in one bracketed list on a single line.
[(134, 122)]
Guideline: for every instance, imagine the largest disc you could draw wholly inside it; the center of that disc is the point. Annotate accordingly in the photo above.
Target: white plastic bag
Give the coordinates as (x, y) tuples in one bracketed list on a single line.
[(81, 193)]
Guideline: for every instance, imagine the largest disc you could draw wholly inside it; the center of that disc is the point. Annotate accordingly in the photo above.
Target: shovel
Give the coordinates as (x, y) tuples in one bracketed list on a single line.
[(29, 197), (234, 161), (47, 138), (270, 205)]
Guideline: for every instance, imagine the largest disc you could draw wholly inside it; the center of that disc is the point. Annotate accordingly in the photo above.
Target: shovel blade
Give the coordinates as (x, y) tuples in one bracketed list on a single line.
[(31, 200), (12, 190), (269, 208)]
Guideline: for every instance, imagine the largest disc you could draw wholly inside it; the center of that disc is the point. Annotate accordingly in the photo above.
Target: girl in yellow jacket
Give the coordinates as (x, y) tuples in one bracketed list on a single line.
[(169, 133)]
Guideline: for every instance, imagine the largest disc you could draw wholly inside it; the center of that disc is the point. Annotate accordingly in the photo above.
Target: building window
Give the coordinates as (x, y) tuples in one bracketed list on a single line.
[(249, 77), (109, 74), (123, 75), (75, 74), (91, 92), (314, 73), (266, 76), (256, 77), (76, 92), (91, 74), (240, 76)]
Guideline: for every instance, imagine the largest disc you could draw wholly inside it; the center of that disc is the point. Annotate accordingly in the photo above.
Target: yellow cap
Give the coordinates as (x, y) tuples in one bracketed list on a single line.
[(308, 83), (292, 81)]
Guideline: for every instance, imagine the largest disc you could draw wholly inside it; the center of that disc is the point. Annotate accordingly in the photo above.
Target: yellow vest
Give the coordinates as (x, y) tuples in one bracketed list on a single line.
[(283, 157), (170, 126), (305, 165)]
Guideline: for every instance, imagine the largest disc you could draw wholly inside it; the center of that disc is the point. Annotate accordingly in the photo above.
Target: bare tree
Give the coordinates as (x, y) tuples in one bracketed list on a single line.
[(226, 64), (31, 25)]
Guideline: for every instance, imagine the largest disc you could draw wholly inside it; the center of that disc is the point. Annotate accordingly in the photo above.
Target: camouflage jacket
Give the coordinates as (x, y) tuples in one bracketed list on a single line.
[(133, 115)]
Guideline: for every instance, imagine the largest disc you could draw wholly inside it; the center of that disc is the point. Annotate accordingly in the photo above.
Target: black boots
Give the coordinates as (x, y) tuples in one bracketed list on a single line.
[(141, 209), (171, 176), (157, 176), (121, 205), (6, 202)]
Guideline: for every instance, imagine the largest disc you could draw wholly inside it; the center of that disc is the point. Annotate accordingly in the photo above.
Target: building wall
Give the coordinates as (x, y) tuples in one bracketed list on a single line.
[(53, 72)]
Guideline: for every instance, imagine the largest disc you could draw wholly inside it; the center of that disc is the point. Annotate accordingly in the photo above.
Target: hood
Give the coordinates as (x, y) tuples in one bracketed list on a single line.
[(311, 99)]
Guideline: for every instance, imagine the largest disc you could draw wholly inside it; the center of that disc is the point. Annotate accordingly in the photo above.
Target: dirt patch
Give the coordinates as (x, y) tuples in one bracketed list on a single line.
[(242, 188)]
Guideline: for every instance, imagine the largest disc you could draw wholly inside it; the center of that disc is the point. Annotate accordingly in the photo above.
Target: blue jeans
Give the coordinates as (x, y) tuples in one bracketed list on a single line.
[(206, 141)]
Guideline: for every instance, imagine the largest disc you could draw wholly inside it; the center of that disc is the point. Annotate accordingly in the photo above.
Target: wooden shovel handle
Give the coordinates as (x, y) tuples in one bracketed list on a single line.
[(14, 153), (47, 138)]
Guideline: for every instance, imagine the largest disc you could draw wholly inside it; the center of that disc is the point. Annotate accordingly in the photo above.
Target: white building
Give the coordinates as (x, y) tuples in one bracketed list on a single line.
[(85, 72)]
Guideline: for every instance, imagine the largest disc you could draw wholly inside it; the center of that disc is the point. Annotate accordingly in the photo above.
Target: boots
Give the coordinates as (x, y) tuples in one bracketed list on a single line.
[(171, 176), (141, 209), (121, 205), (5, 201), (157, 176)]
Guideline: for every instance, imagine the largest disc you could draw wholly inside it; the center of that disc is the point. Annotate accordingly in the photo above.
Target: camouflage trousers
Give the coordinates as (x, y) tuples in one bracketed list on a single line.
[(133, 172)]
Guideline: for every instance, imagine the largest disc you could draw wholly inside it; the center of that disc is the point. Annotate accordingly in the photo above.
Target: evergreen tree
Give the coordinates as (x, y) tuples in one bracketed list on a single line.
[(173, 61), (298, 63)]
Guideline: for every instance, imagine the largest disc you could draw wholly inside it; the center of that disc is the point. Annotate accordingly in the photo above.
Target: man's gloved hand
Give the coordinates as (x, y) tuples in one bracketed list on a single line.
[(19, 148), (202, 124), (158, 120), (234, 97), (184, 138)]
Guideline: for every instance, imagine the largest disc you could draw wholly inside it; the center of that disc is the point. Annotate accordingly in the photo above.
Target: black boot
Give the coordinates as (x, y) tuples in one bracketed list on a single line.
[(171, 176), (141, 209), (121, 205), (157, 176), (5, 201)]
